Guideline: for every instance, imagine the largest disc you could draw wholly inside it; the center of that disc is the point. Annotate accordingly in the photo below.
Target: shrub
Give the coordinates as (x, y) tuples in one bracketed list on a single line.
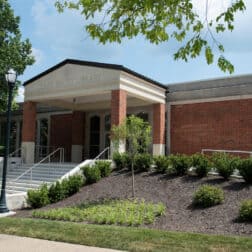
[(201, 164), (143, 162), (72, 185), (225, 164), (104, 167), (55, 192), (92, 174), (162, 163), (180, 163), (207, 196), (121, 160), (245, 213), (245, 169), (39, 197)]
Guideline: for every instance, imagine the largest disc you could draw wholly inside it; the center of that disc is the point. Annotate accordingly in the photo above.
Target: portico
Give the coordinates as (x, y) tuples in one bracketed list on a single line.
[(96, 96)]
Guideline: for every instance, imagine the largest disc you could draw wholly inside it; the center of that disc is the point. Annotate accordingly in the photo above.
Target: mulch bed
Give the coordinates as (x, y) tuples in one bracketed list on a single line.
[(176, 193)]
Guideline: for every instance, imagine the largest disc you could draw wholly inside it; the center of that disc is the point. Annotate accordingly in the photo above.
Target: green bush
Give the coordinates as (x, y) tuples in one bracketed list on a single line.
[(104, 167), (245, 213), (161, 163), (92, 174), (207, 196), (72, 185), (143, 162), (55, 192), (121, 160), (201, 164), (245, 169), (225, 164), (39, 197), (180, 163)]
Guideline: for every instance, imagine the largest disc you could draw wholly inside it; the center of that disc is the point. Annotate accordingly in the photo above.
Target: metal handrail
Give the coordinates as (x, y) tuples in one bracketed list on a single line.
[(61, 150), (107, 149), (14, 152), (229, 151)]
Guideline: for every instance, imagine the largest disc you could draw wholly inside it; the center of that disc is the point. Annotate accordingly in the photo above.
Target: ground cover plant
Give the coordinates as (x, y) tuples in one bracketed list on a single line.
[(123, 238), (207, 196), (245, 213), (121, 212)]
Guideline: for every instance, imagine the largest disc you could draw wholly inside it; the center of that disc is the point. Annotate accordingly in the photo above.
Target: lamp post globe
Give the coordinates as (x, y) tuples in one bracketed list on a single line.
[(11, 77)]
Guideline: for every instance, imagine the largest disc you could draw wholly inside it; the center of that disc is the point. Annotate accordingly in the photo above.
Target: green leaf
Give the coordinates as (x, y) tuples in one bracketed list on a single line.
[(209, 55)]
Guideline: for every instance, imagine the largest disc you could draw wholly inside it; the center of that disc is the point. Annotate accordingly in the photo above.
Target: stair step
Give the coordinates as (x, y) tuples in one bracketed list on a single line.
[(13, 191), (18, 189), (18, 184), (42, 173), (38, 173)]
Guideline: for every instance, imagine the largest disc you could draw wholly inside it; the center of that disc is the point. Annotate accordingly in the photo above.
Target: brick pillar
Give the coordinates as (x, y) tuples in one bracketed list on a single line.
[(158, 130), (77, 136), (29, 131), (118, 112)]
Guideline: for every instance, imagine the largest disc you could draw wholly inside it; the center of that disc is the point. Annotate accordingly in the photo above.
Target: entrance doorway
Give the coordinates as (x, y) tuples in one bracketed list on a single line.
[(94, 141)]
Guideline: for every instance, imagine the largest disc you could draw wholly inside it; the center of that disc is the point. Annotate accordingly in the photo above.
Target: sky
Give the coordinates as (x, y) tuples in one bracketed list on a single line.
[(55, 37)]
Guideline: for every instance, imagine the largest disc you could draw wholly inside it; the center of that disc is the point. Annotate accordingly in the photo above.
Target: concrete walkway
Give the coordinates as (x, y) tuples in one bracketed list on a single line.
[(10, 243)]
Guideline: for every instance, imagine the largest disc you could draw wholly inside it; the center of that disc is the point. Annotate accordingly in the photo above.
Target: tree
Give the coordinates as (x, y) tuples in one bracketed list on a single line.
[(14, 53), (159, 21), (136, 133)]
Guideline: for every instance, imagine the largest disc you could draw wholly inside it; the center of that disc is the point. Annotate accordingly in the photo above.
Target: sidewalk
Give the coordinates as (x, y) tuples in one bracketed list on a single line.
[(10, 243)]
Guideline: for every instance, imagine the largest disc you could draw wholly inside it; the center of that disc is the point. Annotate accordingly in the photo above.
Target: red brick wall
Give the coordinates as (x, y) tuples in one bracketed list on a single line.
[(215, 125), (118, 106), (158, 123), (29, 122), (61, 133)]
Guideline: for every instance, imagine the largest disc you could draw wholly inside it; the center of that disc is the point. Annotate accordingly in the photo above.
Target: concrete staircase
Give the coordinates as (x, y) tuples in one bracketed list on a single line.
[(43, 173)]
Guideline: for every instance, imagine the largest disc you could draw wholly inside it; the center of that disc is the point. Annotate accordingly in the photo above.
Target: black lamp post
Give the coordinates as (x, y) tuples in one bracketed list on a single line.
[(11, 77)]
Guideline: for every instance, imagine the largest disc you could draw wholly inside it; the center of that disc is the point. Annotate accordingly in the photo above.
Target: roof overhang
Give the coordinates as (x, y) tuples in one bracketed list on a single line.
[(72, 82)]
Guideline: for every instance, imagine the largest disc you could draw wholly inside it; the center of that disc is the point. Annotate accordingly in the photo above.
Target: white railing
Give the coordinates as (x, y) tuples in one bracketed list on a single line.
[(14, 153), (106, 150), (236, 172), (15, 159), (42, 151), (227, 151), (49, 158)]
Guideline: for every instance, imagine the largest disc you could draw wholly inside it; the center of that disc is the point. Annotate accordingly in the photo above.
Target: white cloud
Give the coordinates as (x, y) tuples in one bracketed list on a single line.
[(38, 55), (213, 7), (64, 34)]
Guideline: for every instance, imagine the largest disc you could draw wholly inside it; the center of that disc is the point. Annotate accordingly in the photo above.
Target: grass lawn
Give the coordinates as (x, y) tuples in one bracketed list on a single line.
[(123, 238)]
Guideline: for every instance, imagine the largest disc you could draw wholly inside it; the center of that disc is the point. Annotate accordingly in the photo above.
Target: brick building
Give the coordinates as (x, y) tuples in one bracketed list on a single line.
[(73, 105)]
